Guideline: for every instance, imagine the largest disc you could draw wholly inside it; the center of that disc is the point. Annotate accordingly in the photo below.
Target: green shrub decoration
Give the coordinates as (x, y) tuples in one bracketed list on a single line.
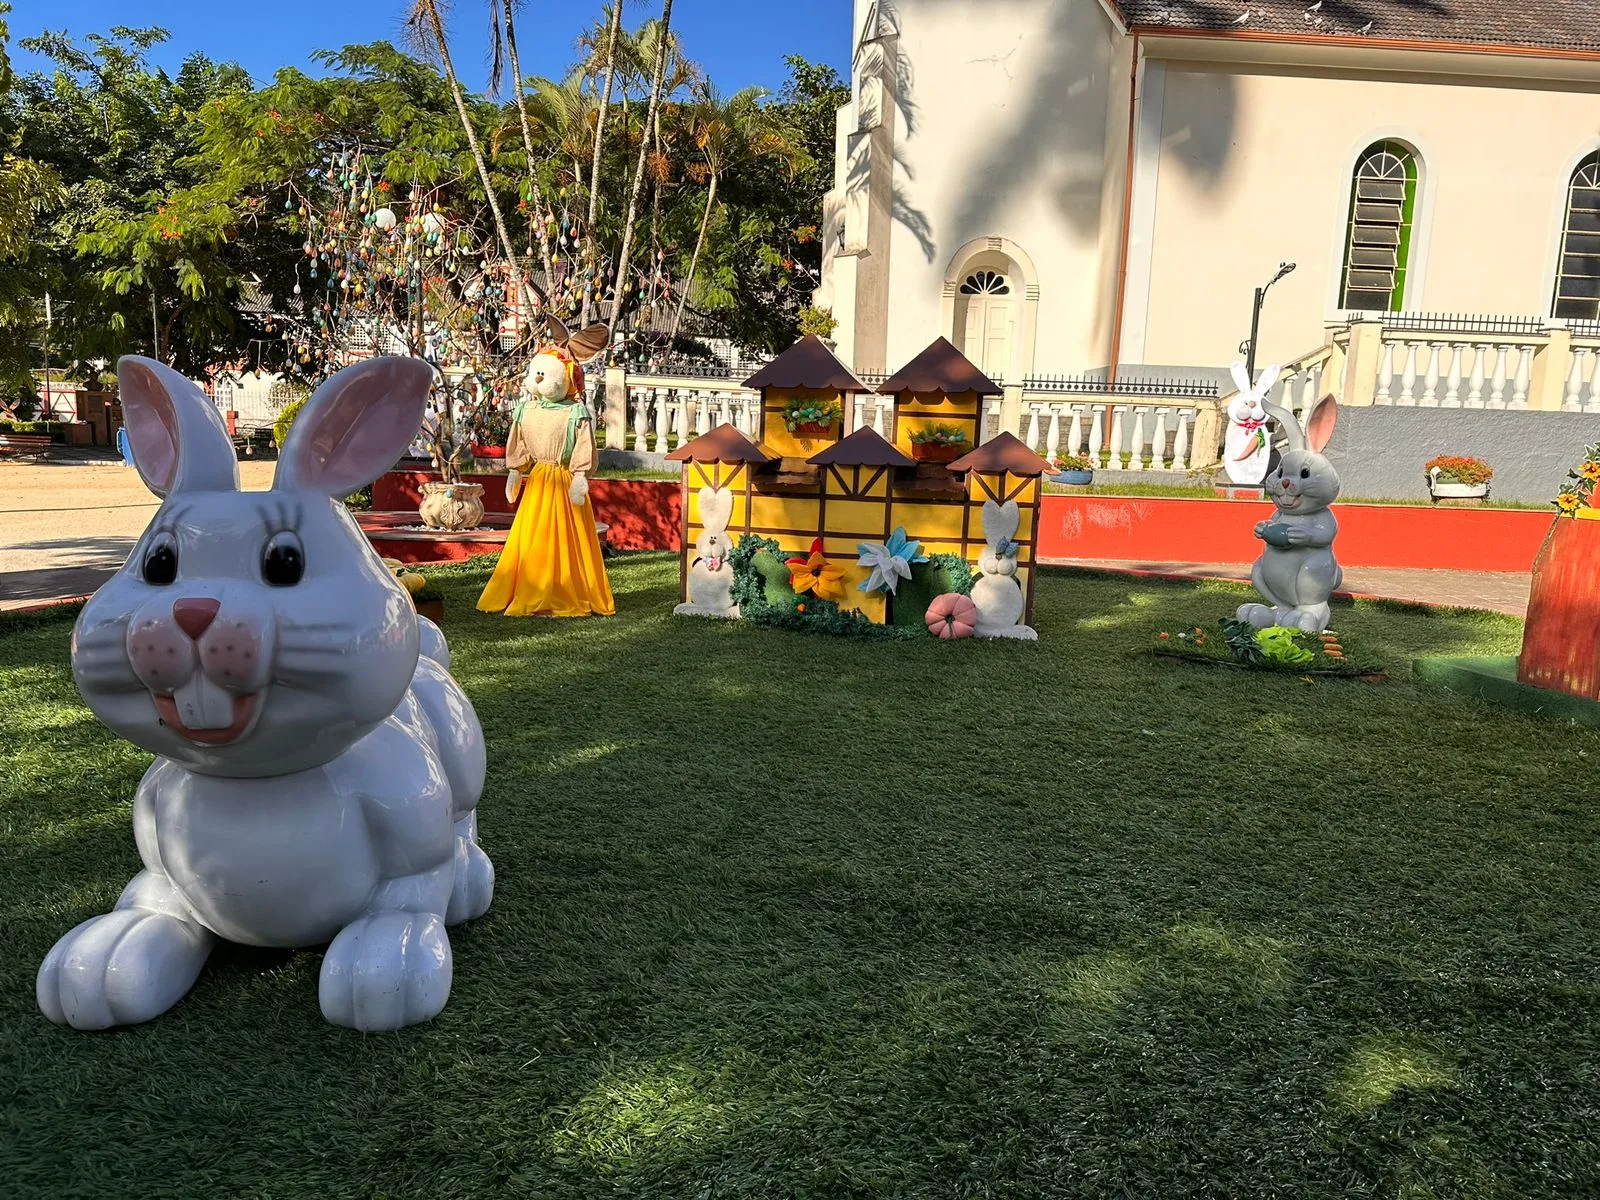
[(940, 574), (762, 591), (280, 427)]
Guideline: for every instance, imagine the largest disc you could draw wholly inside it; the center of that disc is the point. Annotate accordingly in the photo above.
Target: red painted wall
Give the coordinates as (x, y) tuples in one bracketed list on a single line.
[(1150, 529), (644, 514)]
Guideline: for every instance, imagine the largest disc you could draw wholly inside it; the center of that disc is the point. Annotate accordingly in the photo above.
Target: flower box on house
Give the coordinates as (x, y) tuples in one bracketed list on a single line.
[(1456, 477)]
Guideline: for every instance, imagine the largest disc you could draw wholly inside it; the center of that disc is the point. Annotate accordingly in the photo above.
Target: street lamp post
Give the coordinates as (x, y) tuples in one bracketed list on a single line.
[(1284, 268)]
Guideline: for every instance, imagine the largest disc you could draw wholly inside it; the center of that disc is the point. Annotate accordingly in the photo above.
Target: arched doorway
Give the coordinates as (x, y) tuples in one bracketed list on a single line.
[(991, 307)]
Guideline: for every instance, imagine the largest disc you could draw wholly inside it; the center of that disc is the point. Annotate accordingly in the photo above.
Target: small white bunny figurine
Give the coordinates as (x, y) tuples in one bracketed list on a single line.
[(1297, 572), (711, 575), (1247, 448), (316, 779), (997, 593)]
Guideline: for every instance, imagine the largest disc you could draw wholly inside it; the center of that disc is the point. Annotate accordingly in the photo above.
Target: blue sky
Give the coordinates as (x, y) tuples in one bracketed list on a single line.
[(739, 42)]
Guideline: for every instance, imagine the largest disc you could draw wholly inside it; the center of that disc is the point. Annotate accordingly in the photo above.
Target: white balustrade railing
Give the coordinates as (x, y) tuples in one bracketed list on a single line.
[(1472, 372), (1141, 436), (662, 417)]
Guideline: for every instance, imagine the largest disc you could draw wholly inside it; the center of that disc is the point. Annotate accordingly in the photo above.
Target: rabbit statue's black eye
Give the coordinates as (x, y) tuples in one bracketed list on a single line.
[(161, 561), (284, 560), (1305, 472)]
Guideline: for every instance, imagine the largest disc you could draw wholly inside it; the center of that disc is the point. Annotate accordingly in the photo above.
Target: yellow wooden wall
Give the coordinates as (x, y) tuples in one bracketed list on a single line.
[(918, 410), (857, 510)]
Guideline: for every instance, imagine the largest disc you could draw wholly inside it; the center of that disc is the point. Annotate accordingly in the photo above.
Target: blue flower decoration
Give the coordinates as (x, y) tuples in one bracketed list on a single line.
[(1006, 548), (889, 562)]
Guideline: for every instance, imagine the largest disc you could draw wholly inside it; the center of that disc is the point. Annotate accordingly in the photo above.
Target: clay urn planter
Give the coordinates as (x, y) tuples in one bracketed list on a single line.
[(451, 506)]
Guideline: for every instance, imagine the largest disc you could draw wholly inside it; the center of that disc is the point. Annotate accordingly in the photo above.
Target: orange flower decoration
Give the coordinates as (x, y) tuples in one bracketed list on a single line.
[(816, 574)]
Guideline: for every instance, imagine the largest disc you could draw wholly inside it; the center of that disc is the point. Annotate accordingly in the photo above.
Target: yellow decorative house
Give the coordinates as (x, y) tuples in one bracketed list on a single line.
[(806, 528)]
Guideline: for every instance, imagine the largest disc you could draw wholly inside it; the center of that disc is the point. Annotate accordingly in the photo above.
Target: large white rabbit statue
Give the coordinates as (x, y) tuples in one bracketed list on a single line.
[(1297, 572), (997, 593), (1247, 448), (316, 776), (711, 575)]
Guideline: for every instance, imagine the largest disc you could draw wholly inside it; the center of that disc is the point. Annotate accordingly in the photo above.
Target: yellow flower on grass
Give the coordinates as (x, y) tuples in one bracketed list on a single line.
[(816, 574)]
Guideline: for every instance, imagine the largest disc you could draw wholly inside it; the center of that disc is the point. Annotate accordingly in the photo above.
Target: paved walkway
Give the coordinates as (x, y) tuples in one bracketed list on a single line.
[(1505, 592)]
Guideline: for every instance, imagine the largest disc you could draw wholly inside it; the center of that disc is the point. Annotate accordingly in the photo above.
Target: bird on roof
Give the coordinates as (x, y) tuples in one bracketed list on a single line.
[(1367, 28), (1242, 17)]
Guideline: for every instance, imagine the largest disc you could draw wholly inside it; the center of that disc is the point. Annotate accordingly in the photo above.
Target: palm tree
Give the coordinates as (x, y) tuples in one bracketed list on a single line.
[(563, 109), (503, 29), (427, 26), (663, 44), (612, 36), (727, 132)]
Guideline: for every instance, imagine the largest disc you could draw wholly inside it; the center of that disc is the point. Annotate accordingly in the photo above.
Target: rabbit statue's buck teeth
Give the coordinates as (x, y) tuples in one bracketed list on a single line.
[(317, 769)]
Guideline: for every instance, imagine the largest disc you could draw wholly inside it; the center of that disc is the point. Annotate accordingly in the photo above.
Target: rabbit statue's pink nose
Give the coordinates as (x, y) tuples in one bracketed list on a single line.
[(194, 615)]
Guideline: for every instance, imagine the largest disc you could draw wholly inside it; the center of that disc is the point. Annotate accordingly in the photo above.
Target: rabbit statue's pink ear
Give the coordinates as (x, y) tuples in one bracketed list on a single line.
[(1319, 425), (355, 426), (177, 436)]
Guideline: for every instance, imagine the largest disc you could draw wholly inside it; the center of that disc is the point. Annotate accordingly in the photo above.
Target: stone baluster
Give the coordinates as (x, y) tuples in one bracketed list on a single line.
[(1475, 380), (1096, 429), (1430, 381), (1385, 376), (1519, 387), (1452, 387), (703, 412), (1158, 442), (1592, 405), (1408, 378), (1052, 433), (1115, 462), (1136, 459), (663, 421), (1074, 430), (1497, 386), (1574, 396), (641, 417), (1310, 386), (725, 411), (1032, 437), (1180, 444), (881, 414)]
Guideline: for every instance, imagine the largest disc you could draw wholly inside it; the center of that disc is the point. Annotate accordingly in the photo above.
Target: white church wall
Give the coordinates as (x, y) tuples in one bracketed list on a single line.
[(1255, 166)]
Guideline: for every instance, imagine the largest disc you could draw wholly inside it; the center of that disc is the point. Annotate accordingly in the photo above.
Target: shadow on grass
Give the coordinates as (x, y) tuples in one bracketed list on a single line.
[(784, 915)]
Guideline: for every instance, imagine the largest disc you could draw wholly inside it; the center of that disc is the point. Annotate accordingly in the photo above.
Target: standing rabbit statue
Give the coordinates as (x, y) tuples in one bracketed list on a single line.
[(997, 593), (711, 575), (1297, 573), (552, 564), (1247, 448), (317, 769)]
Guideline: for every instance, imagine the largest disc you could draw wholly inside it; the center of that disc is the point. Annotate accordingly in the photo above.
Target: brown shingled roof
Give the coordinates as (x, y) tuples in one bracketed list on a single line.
[(1003, 452), (807, 364), (1549, 24), (940, 368), (863, 448), (722, 444)]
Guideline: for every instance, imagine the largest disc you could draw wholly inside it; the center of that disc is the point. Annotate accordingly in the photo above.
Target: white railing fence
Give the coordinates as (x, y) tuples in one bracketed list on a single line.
[(1136, 437)]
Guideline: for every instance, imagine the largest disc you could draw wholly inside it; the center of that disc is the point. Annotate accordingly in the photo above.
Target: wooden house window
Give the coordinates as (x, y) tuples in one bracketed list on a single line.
[(1383, 206), (1578, 273)]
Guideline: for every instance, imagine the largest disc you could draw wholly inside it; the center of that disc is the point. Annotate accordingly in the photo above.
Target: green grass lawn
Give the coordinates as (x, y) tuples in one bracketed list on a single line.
[(785, 916)]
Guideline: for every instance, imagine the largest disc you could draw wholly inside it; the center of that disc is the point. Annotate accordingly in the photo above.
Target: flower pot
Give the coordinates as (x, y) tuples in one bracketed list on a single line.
[(810, 429), (432, 609), (1446, 489), (452, 506), (1074, 477), (937, 452)]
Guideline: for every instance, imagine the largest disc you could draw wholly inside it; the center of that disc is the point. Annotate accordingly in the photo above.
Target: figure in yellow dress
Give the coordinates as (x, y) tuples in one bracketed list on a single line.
[(551, 565)]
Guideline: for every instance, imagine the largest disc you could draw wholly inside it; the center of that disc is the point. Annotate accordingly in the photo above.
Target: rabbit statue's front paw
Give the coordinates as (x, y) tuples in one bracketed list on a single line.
[(474, 883), (127, 966), (386, 971)]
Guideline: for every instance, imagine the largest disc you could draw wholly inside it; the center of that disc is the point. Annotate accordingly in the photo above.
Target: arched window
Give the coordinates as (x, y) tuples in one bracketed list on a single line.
[(985, 283), (1383, 206), (1578, 274)]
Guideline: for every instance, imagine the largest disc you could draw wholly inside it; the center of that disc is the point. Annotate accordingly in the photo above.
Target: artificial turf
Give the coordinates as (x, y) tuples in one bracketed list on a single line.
[(785, 916)]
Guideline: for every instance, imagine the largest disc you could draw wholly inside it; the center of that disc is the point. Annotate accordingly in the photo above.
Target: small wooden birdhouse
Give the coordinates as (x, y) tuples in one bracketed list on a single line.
[(724, 460), (807, 401), (938, 403), (1002, 470), (856, 505)]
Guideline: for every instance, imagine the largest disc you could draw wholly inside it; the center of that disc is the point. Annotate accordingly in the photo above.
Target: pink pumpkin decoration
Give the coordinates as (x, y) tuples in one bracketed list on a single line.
[(952, 615)]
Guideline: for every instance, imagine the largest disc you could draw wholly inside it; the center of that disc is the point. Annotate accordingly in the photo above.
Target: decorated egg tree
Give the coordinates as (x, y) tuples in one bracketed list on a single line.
[(813, 528)]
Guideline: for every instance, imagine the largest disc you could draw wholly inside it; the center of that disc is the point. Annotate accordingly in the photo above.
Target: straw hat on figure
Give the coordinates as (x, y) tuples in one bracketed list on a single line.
[(551, 565)]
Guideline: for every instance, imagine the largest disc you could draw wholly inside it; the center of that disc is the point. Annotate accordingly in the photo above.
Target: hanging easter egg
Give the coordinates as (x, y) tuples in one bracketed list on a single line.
[(433, 223)]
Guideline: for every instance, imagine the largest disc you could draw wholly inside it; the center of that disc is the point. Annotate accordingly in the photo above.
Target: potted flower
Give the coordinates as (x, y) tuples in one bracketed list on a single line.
[(1072, 468), (811, 416), (1456, 477), (938, 443)]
